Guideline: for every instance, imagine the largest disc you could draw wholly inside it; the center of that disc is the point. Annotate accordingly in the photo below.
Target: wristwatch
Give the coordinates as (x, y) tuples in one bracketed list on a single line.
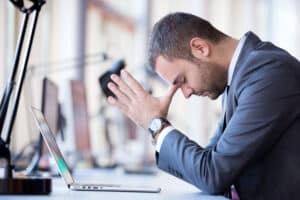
[(157, 124)]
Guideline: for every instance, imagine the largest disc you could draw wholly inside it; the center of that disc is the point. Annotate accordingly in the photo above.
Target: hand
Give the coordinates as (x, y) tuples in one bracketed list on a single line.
[(135, 102)]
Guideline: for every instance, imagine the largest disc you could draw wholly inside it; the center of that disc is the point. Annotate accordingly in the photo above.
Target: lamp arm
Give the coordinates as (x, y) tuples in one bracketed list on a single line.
[(11, 80), (19, 86)]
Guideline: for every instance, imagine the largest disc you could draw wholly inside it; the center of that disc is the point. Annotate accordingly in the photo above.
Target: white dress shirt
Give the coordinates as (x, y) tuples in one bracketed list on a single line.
[(232, 66)]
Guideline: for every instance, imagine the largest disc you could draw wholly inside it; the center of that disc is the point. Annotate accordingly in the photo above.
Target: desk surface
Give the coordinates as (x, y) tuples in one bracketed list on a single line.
[(172, 188)]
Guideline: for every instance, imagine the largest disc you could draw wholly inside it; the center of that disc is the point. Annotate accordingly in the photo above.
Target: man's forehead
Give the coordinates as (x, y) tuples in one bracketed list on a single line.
[(167, 70), (162, 60)]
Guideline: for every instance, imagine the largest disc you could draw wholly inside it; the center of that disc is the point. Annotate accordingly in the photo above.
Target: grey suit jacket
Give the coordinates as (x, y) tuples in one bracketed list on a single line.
[(259, 150)]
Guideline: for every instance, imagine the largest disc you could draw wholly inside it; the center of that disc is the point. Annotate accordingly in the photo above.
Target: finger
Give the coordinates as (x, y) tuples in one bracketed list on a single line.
[(135, 85), (172, 90), (113, 101), (169, 96), (123, 86), (118, 93)]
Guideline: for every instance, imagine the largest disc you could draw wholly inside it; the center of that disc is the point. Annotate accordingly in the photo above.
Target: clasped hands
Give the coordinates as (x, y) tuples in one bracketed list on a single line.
[(140, 106)]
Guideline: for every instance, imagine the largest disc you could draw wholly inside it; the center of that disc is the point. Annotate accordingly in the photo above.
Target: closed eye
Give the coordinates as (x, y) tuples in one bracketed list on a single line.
[(179, 81)]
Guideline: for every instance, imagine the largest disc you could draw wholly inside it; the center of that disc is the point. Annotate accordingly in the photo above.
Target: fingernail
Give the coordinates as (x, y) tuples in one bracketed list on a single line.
[(111, 100), (113, 76), (110, 84), (123, 71)]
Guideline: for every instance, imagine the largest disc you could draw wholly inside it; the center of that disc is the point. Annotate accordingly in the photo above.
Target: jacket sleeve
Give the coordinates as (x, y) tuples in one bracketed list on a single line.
[(263, 113), (218, 132)]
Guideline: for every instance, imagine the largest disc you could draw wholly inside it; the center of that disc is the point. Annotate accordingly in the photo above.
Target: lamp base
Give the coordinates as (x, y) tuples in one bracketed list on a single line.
[(25, 186)]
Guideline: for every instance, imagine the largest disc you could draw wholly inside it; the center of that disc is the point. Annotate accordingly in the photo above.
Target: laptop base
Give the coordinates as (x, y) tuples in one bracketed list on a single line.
[(25, 186), (112, 188)]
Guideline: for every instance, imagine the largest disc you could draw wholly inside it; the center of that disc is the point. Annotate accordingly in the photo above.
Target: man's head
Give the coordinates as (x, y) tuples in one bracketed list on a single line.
[(187, 50)]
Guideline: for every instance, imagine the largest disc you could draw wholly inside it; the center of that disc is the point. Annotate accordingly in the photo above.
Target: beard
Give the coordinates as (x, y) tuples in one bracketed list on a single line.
[(214, 76)]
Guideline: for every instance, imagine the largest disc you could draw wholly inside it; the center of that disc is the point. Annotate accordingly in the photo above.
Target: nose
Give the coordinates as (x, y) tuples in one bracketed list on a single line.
[(187, 92)]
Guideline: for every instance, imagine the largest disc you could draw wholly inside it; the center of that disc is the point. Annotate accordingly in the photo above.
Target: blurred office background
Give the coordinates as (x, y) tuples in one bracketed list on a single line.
[(72, 37)]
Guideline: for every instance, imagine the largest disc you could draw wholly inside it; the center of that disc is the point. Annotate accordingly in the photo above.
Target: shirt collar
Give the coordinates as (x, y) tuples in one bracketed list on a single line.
[(234, 59)]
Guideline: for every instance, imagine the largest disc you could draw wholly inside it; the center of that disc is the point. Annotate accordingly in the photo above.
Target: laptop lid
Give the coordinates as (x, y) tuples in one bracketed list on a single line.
[(52, 145)]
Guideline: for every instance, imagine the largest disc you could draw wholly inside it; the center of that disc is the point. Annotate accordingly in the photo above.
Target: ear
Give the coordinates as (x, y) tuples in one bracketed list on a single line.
[(200, 48)]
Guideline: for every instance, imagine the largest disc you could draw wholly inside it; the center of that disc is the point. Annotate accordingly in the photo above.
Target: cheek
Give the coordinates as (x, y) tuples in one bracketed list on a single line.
[(207, 79), (200, 81)]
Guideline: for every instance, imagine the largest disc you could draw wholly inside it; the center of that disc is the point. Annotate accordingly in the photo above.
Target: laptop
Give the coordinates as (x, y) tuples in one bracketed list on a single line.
[(64, 169)]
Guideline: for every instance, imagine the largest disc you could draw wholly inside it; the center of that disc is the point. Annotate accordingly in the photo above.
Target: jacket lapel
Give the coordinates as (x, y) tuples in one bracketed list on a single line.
[(251, 42)]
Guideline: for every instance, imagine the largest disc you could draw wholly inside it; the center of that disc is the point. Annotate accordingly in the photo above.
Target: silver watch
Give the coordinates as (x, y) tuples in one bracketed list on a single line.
[(157, 124)]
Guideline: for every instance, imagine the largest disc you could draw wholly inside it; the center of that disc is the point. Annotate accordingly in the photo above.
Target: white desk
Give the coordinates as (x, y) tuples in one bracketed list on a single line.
[(172, 188)]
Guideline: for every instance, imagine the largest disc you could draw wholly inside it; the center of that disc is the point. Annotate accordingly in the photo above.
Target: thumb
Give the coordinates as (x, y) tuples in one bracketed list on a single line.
[(171, 92)]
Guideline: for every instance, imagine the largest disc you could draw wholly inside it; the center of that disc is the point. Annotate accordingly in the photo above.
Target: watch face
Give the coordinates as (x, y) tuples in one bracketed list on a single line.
[(155, 124)]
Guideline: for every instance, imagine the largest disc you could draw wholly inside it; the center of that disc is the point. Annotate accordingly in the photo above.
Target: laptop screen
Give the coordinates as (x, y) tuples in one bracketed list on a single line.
[(52, 145)]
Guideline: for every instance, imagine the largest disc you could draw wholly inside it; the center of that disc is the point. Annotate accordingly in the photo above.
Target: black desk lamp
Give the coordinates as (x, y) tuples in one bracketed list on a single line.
[(104, 79), (8, 110)]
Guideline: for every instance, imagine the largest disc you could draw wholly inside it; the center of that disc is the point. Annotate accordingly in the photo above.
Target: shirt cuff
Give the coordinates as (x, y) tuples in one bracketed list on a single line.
[(162, 136)]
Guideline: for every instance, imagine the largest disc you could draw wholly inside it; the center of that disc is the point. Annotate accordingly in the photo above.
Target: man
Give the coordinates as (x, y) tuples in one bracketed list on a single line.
[(256, 148)]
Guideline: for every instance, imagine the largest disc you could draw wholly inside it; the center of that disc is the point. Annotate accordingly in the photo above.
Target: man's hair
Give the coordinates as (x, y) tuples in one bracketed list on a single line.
[(171, 36)]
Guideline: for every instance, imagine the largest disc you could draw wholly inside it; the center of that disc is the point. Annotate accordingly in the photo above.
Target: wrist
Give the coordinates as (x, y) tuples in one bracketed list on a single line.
[(154, 141), (156, 125)]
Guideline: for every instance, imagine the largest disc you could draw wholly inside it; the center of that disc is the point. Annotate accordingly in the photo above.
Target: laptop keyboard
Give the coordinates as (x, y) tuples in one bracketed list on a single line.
[(97, 187)]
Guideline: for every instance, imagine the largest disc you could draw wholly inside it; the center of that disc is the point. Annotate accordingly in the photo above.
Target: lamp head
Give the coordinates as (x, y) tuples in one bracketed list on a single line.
[(105, 78)]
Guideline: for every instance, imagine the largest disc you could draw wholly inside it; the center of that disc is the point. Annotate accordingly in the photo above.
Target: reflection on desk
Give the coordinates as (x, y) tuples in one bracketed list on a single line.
[(172, 188)]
